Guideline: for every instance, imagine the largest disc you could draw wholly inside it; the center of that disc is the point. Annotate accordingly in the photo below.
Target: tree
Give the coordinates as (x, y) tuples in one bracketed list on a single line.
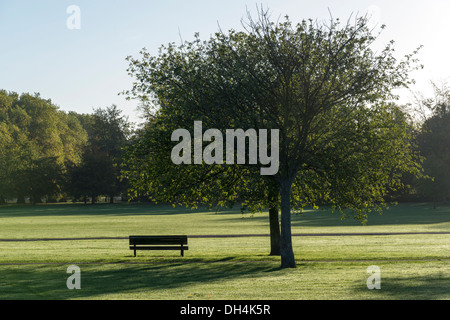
[(320, 85), (433, 142), (98, 173), (95, 176), (39, 142), (10, 155)]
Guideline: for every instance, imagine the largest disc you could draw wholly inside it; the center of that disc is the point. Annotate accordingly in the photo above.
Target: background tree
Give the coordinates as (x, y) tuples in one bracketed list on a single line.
[(98, 174), (10, 160), (434, 144), (40, 140), (93, 177)]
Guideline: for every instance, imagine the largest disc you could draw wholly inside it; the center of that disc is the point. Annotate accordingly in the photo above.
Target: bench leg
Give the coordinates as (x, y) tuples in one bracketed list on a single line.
[(135, 250)]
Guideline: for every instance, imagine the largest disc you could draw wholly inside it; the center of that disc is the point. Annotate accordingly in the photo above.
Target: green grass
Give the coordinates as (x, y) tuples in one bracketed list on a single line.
[(328, 267)]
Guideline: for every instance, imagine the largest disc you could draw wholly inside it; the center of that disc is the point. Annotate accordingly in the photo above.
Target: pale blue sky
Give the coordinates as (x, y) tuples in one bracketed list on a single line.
[(84, 69)]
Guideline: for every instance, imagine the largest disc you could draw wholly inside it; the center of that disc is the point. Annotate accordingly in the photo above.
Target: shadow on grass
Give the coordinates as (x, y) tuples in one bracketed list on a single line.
[(420, 213), (151, 281), (119, 209), (434, 286), (395, 215), (40, 282)]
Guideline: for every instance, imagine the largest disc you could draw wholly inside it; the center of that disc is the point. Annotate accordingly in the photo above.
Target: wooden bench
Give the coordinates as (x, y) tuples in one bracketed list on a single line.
[(158, 243)]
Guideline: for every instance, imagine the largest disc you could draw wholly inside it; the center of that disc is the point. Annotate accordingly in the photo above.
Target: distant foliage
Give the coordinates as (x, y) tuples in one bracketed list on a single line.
[(42, 150)]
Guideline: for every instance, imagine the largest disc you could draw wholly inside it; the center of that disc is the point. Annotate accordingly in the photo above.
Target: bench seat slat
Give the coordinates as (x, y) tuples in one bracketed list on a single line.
[(158, 240), (158, 248)]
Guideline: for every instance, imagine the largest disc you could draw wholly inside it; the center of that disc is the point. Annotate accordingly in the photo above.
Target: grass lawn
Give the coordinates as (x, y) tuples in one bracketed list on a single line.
[(412, 266)]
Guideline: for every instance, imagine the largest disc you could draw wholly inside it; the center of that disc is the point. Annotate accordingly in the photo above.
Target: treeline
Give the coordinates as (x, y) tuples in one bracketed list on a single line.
[(432, 140), (48, 155)]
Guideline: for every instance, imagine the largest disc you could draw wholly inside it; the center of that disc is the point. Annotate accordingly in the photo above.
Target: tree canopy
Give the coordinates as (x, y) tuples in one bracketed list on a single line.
[(48, 153), (433, 143), (39, 141), (342, 142)]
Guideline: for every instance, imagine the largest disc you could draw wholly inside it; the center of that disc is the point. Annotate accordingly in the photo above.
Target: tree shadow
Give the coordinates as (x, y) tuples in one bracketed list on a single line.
[(435, 286), (411, 213), (404, 214), (44, 282), (122, 209)]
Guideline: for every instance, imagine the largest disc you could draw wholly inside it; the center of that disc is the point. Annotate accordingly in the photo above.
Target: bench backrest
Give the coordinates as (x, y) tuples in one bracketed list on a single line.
[(158, 240)]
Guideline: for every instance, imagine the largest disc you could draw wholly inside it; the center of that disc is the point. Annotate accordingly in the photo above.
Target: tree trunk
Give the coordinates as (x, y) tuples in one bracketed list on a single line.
[(36, 199), (274, 231), (287, 254), (21, 199), (274, 221)]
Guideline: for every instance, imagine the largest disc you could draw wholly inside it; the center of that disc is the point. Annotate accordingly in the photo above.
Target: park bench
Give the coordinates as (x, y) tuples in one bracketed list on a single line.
[(158, 243)]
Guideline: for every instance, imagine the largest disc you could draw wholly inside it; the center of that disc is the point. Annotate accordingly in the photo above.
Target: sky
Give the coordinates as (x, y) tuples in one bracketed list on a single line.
[(77, 58)]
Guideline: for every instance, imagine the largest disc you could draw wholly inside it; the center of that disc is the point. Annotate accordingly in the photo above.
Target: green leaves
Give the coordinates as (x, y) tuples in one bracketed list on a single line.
[(38, 141), (342, 142), (321, 85), (433, 143)]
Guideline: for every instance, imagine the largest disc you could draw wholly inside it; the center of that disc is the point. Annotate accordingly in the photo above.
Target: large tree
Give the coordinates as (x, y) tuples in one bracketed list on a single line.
[(321, 85)]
